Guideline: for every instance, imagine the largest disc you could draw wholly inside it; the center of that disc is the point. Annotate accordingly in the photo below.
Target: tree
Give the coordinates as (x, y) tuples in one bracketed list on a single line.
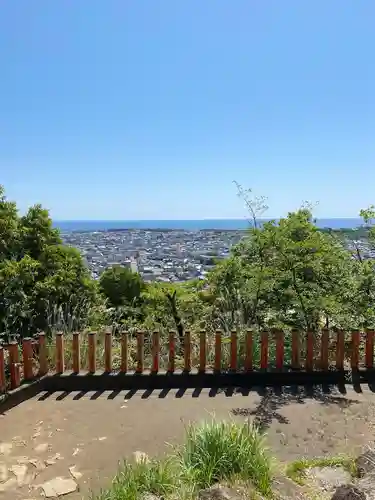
[(43, 284), (121, 286)]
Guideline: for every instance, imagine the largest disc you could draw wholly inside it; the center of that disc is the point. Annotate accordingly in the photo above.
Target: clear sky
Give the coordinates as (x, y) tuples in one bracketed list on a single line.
[(149, 109)]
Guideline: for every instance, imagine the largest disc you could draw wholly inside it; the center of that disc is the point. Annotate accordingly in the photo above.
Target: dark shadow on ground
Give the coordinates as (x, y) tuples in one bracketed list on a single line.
[(273, 399)]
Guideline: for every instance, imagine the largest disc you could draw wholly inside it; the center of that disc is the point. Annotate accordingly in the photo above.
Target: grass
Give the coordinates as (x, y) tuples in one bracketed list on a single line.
[(296, 470), (213, 452)]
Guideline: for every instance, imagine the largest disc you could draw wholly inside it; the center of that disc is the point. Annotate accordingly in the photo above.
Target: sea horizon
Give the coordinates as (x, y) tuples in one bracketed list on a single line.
[(188, 224)]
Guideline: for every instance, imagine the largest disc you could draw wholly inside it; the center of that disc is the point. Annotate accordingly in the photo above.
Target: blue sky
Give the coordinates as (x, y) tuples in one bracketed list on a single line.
[(149, 109)]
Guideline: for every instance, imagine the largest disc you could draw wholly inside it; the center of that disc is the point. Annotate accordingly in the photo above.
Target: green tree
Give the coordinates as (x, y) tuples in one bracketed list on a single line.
[(43, 284), (121, 286)]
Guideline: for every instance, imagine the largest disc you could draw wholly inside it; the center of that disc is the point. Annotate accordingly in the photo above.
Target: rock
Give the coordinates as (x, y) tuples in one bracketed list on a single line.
[(328, 478), (20, 471), (218, 492), (103, 438), (75, 474), (365, 463), (11, 484), (58, 487), (150, 496), (3, 473), (38, 464), (5, 448), (141, 457), (367, 485), (41, 448), (348, 492)]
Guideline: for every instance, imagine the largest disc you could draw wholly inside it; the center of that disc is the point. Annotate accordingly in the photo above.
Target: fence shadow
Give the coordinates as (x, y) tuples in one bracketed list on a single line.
[(274, 399)]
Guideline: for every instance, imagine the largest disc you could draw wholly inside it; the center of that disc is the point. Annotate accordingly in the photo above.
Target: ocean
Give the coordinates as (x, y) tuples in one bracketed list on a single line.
[(186, 225)]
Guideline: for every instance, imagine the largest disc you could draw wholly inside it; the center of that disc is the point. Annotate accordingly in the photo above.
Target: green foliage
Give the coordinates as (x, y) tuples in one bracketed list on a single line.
[(39, 277), (121, 286)]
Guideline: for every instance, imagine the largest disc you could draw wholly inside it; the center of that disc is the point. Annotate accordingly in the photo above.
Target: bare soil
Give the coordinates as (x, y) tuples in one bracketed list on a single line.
[(94, 431)]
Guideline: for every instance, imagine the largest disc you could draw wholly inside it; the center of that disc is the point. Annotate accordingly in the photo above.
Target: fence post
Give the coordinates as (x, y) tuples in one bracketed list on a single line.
[(340, 350), (140, 352), (92, 352), (324, 350), (264, 351), (187, 352), (249, 351), (155, 352), (60, 353), (370, 349), (108, 351), (279, 349), (76, 352), (43, 363), (295, 350), (172, 350), (124, 352), (27, 358), (356, 336), (309, 350), (14, 365), (218, 351), (2, 370), (202, 352)]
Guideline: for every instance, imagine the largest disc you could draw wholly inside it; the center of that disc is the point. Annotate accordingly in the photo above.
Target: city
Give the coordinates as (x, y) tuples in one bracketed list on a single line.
[(164, 255)]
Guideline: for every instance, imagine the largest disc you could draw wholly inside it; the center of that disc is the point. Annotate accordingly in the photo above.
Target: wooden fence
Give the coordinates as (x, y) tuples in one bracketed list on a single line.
[(336, 351)]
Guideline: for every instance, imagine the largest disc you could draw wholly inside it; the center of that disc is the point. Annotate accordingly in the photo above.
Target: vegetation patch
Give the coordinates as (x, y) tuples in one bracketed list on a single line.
[(296, 470), (213, 452)]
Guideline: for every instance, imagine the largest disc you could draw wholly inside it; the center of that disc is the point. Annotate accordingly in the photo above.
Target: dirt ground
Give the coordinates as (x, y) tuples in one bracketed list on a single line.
[(92, 432)]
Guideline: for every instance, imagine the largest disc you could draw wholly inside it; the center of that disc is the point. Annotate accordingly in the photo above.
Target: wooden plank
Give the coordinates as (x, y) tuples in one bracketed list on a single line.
[(202, 352), (340, 350), (187, 352), (124, 352), (2, 370), (108, 351), (324, 349), (355, 349), (233, 351), (140, 352), (14, 365), (172, 352), (264, 351), (309, 365), (92, 352), (155, 352), (249, 351), (370, 349), (279, 335), (76, 352), (60, 367), (27, 358), (43, 359), (296, 364), (218, 351)]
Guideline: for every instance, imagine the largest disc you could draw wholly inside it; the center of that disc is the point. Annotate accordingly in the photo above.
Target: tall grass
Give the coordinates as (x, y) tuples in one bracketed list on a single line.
[(213, 452)]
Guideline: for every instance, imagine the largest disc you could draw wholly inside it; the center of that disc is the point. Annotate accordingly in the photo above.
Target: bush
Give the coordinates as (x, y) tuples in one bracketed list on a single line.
[(216, 451)]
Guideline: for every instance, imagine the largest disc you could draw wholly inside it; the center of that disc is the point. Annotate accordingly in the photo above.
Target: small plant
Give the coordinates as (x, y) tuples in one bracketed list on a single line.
[(216, 451), (296, 470)]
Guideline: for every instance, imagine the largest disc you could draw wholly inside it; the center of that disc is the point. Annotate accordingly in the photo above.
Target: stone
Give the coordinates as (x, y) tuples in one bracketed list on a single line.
[(11, 484), (5, 448), (141, 457), (348, 492), (3, 473), (329, 478), (58, 486), (218, 492), (365, 463), (367, 485), (41, 448), (150, 496), (75, 473), (38, 464), (20, 471)]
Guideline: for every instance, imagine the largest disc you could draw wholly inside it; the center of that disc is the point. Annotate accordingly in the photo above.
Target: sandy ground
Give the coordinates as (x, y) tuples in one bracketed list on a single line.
[(92, 432)]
